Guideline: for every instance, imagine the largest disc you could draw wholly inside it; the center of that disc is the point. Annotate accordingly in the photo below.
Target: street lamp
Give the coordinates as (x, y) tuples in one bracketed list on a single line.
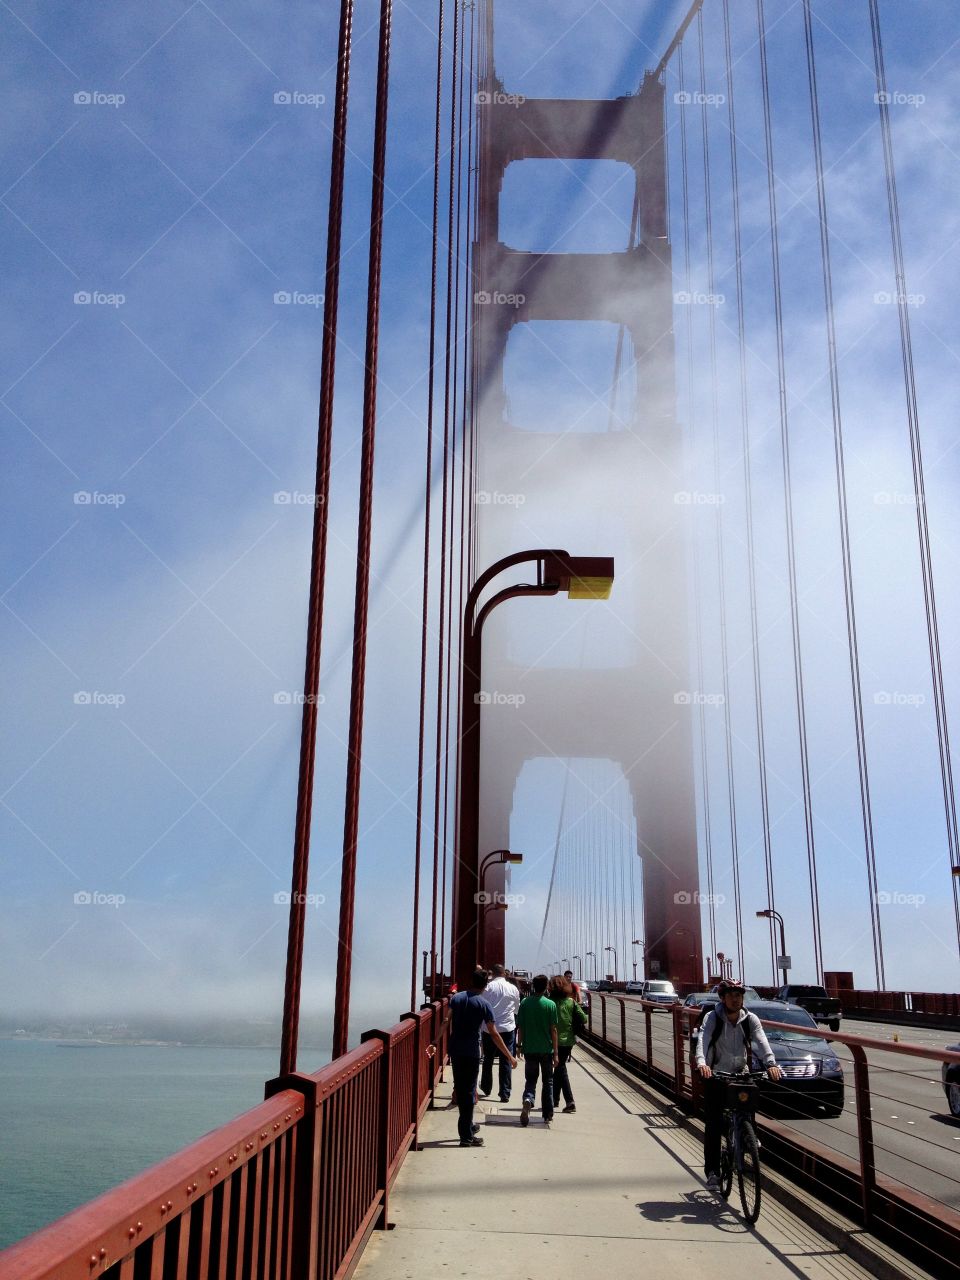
[(638, 942), (580, 974), (582, 578), (498, 856), (614, 950), (594, 954), (783, 961)]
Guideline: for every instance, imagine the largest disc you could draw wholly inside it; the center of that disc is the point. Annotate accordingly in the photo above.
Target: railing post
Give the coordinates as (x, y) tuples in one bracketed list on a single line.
[(603, 1018), (418, 1051), (868, 1172), (383, 1145), (623, 1027), (648, 1018), (590, 1013), (678, 1072), (305, 1244)]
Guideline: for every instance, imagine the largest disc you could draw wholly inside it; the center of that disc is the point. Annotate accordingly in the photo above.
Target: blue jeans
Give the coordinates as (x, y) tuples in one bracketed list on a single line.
[(539, 1065), (490, 1051)]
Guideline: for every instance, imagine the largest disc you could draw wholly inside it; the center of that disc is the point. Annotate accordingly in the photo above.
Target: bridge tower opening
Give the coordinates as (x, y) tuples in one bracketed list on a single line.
[(636, 467)]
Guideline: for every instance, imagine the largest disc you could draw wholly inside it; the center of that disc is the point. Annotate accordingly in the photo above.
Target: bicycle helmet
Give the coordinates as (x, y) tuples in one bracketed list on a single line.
[(732, 985)]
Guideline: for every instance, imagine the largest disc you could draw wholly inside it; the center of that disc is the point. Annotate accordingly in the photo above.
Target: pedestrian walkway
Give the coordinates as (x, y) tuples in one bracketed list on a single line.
[(612, 1191)]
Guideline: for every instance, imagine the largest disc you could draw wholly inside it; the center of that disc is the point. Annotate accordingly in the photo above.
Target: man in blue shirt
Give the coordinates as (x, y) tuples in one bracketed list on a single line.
[(470, 1016)]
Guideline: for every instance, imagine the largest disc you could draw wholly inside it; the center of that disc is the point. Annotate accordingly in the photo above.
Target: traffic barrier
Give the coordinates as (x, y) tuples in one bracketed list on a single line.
[(291, 1188)]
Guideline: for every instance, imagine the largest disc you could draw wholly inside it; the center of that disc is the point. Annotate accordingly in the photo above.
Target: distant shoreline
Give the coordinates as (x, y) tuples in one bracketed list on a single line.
[(65, 1043)]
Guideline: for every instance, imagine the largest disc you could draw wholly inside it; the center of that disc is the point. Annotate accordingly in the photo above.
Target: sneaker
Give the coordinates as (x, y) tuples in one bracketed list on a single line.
[(548, 1124), (476, 1128), (504, 1099), (472, 1142), (713, 1182), (525, 1113), (484, 1093), (569, 1110)]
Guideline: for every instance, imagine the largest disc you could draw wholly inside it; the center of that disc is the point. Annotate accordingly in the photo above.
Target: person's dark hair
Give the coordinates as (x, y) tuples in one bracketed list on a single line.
[(498, 970), (568, 973), (479, 979), (540, 983), (560, 988)]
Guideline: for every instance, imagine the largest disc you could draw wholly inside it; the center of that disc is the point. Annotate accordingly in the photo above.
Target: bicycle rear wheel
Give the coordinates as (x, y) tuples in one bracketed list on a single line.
[(748, 1174), (726, 1168)]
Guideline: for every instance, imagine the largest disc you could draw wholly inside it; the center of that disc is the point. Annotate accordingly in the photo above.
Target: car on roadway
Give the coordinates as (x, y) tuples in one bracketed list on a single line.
[(659, 991), (633, 988), (812, 1080), (815, 1000), (950, 1074)]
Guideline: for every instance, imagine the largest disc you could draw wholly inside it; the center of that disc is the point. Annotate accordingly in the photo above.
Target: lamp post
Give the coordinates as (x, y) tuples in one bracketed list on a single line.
[(614, 950), (498, 856), (594, 954), (638, 942), (784, 959), (582, 578), (580, 966)]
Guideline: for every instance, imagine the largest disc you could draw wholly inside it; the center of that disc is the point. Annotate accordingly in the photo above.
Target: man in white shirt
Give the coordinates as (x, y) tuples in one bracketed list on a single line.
[(728, 1037), (504, 999)]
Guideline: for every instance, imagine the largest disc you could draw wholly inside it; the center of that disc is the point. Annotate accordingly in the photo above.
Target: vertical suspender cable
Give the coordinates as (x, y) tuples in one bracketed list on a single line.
[(691, 415), (440, 824), (748, 483), (341, 1022), (431, 362), (788, 497), (718, 508), (916, 457), (311, 679), (840, 468)]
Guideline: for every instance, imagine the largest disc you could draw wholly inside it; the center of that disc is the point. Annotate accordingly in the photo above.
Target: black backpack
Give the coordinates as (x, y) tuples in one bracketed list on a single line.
[(746, 1026)]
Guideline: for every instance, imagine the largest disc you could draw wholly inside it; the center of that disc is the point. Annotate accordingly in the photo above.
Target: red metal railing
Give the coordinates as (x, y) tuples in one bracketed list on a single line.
[(290, 1190), (653, 1042)]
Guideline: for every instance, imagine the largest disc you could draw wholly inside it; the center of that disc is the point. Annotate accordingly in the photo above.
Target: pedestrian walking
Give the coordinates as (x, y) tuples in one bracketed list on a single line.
[(537, 1040), (570, 1022), (504, 999), (470, 1014)]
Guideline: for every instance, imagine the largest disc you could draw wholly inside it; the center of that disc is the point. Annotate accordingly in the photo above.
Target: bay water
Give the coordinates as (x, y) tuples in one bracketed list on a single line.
[(76, 1121)]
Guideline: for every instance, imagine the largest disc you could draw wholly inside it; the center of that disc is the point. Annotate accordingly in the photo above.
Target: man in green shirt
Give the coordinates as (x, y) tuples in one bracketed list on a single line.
[(537, 1040)]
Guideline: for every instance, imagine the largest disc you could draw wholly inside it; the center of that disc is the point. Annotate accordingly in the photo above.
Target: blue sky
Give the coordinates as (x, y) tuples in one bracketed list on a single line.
[(185, 408)]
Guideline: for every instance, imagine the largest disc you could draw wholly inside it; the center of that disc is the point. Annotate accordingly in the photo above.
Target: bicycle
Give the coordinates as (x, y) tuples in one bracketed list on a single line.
[(740, 1149)]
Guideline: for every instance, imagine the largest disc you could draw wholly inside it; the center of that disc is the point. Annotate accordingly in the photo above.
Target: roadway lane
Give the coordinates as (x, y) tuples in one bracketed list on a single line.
[(915, 1138)]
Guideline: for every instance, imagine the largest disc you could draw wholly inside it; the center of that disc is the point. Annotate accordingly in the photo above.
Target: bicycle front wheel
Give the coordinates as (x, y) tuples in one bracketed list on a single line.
[(726, 1168), (748, 1172)]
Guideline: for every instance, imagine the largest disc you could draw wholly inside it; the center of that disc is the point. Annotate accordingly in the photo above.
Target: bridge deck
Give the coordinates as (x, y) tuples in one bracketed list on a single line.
[(614, 1190)]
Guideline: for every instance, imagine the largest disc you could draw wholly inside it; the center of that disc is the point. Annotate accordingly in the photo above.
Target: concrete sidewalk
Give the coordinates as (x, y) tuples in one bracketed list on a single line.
[(612, 1191)]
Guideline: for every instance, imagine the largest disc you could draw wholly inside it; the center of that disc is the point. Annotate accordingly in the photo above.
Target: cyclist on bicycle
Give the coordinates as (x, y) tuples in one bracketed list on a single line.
[(728, 1037)]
